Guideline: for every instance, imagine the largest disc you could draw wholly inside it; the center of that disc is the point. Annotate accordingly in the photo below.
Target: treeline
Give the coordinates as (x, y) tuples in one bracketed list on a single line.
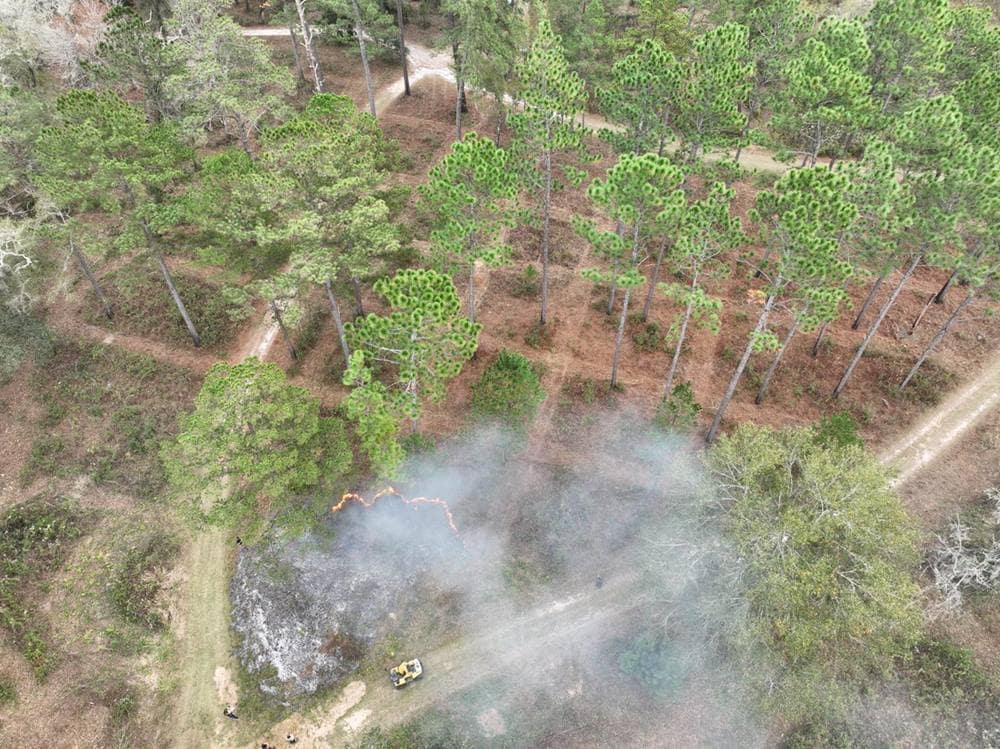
[(903, 103)]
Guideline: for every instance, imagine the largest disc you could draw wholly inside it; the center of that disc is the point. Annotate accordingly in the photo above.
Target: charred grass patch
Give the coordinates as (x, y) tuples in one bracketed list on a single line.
[(142, 306)]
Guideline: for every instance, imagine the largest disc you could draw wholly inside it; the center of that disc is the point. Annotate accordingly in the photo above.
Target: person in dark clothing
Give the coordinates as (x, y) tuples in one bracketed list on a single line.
[(229, 711)]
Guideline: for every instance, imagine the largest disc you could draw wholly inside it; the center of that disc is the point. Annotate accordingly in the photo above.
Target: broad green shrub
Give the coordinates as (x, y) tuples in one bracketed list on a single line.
[(678, 412), (837, 430), (509, 391), (656, 662), (648, 338), (827, 557)]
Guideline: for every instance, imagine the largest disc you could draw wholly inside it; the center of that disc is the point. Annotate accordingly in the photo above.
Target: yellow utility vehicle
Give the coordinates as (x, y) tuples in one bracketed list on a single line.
[(406, 672)]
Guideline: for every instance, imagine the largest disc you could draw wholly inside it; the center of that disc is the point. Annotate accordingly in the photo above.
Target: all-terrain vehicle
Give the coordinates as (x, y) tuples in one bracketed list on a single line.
[(406, 672)]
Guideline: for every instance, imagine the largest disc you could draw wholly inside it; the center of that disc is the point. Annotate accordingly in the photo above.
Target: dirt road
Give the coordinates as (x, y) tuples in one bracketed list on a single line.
[(202, 637), (425, 62), (941, 428), (534, 643)]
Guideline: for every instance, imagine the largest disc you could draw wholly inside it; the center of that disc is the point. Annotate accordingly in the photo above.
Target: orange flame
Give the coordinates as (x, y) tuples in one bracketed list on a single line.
[(389, 491)]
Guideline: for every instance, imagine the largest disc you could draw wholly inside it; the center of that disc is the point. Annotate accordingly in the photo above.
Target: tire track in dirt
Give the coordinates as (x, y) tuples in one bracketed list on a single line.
[(927, 440)]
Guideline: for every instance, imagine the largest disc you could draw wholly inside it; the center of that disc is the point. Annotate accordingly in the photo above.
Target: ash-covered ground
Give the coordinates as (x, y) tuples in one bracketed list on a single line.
[(311, 607)]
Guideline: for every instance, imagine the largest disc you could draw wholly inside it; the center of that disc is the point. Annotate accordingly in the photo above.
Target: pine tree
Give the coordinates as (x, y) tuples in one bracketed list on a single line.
[(471, 193), (337, 227), (424, 340), (132, 55), (715, 81), (774, 31), (553, 95), (973, 45), (641, 98), (825, 104), (660, 22), (369, 21), (939, 172), (236, 206), (801, 222), (226, 80), (586, 33), (487, 37), (102, 152), (639, 193), (977, 263), (908, 44), (706, 232), (251, 434)]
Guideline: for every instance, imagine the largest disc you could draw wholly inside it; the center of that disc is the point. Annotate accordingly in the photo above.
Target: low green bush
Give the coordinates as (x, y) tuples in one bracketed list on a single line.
[(8, 692), (837, 430), (648, 338), (509, 391), (136, 585), (34, 537), (655, 662), (527, 284), (679, 411)]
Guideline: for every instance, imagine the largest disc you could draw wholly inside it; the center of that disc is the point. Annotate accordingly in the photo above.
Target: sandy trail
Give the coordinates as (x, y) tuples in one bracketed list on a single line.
[(203, 649), (936, 432), (425, 62)]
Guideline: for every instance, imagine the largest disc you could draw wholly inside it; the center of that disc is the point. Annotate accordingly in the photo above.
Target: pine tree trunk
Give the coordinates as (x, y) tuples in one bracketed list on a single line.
[(338, 321), (868, 301), (402, 48), (472, 292), (735, 381), (920, 315), (819, 339), (681, 335), (546, 208), (308, 42), (360, 34), (774, 364), (940, 296), (619, 337), (653, 279), (458, 109), (613, 291), (739, 144), (284, 331), (873, 328), (937, 338), (178, 302), (299, 71), (358, 301), (85, 267)]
